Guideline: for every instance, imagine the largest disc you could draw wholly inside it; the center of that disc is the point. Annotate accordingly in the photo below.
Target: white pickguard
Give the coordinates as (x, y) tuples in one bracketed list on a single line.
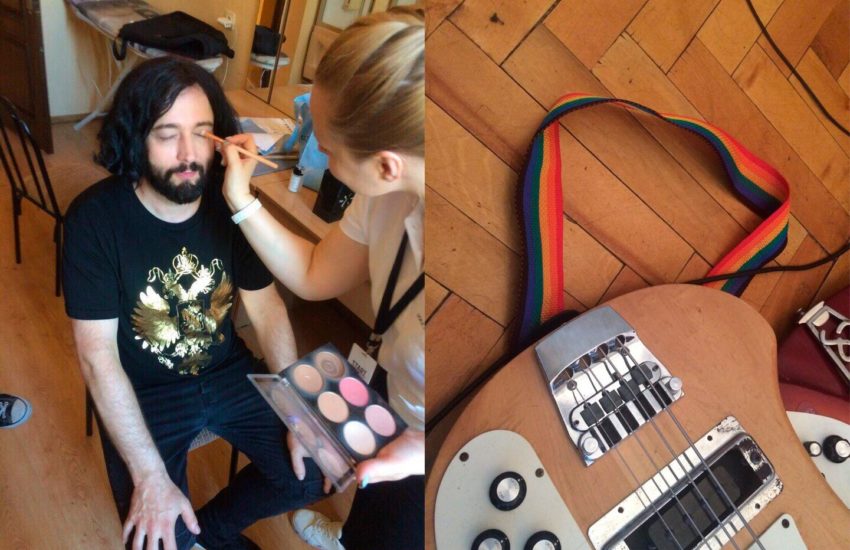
[(463, 508), (814, 427), (782, 535)]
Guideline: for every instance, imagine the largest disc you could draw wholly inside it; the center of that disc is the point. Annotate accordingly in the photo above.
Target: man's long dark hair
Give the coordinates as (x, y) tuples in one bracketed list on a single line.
[(146, 94)]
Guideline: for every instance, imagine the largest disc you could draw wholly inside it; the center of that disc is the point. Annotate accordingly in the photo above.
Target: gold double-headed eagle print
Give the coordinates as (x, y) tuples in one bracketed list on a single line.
[(172, 321)]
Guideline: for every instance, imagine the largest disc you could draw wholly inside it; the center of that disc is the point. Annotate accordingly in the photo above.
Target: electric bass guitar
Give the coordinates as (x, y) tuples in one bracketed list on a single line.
[(651, 422)]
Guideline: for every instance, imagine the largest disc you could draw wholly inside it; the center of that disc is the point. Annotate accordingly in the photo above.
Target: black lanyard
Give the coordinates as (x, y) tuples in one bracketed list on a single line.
[(388, 314)]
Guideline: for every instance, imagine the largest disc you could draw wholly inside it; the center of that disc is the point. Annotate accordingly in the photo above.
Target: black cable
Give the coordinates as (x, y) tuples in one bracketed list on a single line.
[(794, 71), (757, 271), (466, 391), (537, 333)]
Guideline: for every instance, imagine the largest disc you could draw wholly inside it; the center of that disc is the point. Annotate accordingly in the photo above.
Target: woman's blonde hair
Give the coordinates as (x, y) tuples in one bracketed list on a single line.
[(374, 75)]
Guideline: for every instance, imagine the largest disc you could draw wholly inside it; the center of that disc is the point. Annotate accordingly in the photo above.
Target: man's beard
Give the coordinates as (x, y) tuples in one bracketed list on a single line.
[(180, 193)]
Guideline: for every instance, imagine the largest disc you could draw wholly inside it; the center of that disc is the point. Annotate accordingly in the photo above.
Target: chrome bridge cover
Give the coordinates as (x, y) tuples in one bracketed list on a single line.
[(604, 380)]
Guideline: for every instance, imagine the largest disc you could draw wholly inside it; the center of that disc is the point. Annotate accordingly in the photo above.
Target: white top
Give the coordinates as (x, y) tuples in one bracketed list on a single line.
[(379, 223)]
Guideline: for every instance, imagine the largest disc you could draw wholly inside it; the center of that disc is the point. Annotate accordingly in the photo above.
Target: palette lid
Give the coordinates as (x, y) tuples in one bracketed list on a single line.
[(332, 459)]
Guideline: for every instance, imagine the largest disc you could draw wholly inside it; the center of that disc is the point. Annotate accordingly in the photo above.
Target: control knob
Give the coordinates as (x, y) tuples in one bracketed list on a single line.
[(813, 448), (836, 448), (543, 540), (507, 491), (491, 539)]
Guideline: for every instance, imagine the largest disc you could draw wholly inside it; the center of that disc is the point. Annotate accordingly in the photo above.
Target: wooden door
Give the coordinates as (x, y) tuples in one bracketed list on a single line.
[(22, 66)]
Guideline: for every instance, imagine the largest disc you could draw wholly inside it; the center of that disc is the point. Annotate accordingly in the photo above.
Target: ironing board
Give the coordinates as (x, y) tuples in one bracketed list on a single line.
[(107, 17)]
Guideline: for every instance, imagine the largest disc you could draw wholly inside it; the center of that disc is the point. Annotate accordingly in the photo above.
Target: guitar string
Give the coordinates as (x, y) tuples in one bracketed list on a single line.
[(723, 525), (676, 458), (658, 470), (639, 488), (624, 351)]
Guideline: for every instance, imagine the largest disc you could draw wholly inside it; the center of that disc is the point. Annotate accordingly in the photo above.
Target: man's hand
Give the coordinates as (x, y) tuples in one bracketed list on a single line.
[(404, 457), (297, 453), (154, 509)]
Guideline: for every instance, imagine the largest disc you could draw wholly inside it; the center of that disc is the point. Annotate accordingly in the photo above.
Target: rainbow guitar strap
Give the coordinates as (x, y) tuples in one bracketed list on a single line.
[(758, 185)]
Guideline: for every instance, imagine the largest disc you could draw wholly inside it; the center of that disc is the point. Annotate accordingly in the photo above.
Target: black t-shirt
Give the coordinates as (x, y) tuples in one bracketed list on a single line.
[(171, 285)]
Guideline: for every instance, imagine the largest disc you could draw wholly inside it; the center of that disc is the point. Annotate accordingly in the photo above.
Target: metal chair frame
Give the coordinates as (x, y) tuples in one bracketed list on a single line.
[(42, 195)]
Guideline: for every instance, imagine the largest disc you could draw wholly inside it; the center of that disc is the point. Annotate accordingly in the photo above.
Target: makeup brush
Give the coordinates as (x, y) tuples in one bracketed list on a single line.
[(249, 154)]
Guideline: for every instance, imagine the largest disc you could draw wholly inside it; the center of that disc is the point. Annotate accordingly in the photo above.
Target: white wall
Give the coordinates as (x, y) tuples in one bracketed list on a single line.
[(74, 55)]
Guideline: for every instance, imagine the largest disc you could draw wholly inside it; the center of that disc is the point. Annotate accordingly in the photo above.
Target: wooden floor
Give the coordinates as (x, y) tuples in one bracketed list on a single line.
[(643, 202), (52, 478)]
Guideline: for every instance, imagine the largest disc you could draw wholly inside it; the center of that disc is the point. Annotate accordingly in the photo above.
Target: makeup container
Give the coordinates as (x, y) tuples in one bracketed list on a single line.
[(338, 418), (295, 179)]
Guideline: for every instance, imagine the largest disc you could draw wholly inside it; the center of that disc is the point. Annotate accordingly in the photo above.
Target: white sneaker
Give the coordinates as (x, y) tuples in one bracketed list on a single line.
[(317, 530)]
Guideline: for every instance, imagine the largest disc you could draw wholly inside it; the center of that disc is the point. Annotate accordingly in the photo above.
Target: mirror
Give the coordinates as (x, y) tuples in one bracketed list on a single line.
[(308, 27), (268, 56)]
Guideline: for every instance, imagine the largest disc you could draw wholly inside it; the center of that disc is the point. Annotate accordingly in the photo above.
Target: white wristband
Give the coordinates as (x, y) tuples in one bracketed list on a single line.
[(252, 207)]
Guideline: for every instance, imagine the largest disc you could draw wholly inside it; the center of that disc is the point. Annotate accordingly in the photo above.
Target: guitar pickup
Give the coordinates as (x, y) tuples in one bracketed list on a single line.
[(723, 468)]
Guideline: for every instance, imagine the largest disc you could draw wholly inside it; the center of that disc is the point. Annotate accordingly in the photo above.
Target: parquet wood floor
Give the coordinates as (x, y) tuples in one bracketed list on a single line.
[(643, 203)]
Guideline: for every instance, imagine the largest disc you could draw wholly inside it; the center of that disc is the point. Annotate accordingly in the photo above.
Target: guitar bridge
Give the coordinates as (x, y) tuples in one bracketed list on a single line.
[(604, 380)]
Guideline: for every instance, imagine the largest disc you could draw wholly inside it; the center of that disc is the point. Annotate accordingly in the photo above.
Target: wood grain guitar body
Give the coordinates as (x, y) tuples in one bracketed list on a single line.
[(721, 358)]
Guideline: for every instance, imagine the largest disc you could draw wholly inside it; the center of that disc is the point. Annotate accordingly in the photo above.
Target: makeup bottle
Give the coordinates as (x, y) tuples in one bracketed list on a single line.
[(295, 179)]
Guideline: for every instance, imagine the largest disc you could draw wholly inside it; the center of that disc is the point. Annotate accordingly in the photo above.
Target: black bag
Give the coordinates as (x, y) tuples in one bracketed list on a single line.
[(265, 41), (175, 32)]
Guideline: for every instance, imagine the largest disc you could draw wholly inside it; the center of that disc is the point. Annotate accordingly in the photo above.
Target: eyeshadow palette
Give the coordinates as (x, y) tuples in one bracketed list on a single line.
[(336, 416)]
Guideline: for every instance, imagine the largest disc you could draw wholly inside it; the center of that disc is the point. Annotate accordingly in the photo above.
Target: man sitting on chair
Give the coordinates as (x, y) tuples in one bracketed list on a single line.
[(152, 261)]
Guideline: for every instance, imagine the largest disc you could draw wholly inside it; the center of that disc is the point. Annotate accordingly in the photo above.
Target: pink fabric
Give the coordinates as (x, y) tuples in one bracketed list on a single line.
[(800, 399)]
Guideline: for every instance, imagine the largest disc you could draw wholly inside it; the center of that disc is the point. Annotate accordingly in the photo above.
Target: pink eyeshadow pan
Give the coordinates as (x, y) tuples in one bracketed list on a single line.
[(333, 407), (354, 392), (380, 420), (359, 438), (307, 378)]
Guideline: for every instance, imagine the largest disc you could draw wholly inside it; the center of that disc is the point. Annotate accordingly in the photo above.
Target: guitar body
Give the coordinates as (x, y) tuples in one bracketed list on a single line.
[(725, 355)]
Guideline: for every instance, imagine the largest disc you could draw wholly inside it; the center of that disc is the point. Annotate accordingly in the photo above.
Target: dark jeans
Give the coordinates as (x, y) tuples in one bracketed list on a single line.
[(227, 404), (388, 515)]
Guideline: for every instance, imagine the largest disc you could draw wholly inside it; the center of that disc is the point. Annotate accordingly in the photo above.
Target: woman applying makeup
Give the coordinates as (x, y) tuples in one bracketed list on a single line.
[(368, 116)]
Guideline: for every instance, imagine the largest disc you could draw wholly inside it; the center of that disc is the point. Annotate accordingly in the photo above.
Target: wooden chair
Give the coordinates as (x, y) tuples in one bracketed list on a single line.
[(28, 177)]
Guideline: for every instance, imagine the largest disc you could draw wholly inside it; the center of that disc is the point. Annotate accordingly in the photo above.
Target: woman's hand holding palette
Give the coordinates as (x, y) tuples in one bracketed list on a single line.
[(335, 415)]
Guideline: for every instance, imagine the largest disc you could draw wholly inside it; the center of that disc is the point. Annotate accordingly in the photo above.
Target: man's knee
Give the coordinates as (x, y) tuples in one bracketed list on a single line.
[(308, 489)]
